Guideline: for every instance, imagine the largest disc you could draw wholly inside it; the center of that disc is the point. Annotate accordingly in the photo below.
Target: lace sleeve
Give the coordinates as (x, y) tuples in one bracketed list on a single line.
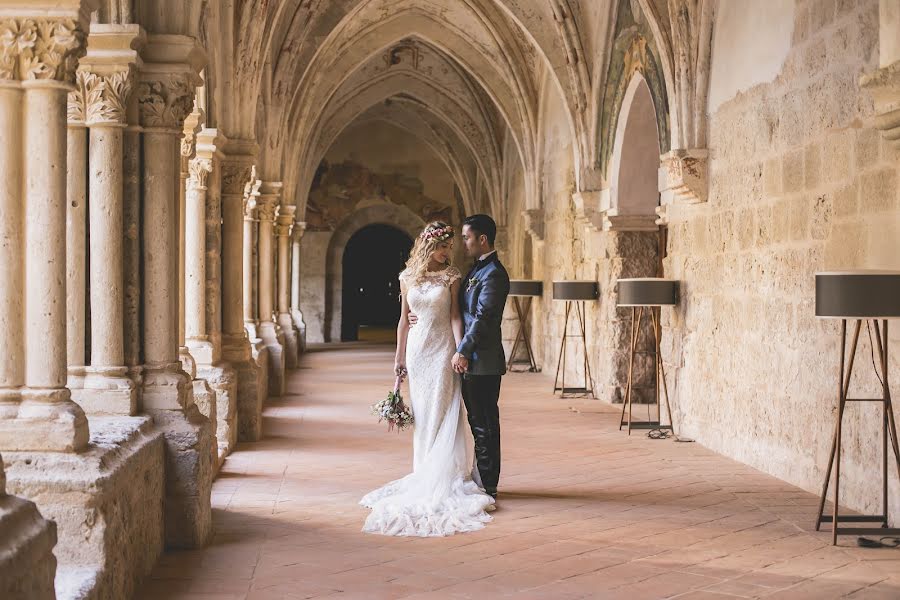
[(453, 275)]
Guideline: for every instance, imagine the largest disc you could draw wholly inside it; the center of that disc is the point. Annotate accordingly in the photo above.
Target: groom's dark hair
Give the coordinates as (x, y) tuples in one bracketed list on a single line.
[(483, 225)]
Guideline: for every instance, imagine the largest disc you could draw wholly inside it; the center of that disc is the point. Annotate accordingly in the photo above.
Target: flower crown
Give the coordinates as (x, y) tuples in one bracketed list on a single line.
[(439, 233)]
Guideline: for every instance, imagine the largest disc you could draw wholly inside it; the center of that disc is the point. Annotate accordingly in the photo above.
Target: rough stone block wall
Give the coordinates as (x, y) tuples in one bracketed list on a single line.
[(799, 183)]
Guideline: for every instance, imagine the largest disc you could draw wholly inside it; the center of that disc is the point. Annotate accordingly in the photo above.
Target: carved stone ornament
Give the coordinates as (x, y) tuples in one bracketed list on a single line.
[(106, 96), (76, 112), (534, 222), (199, 170), (166, 101), (187, 144), (884, 85), (234, 177), (266, 208), (40, 49), (685, 175), (298, 230)]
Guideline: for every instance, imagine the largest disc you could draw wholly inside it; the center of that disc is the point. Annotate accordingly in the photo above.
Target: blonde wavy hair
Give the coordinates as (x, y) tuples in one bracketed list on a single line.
[(434, 234)]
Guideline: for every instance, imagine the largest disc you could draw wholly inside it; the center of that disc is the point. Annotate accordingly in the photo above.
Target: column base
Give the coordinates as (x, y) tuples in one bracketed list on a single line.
[(107, 503), (274, 341), (107, 391), (166, 387), (205, 401), (224, 382), (27, 563), (300, 325), (291, 347), (190, 446), (251, 329), (46, 420), (75, 377), (252, 390), (188, 362)]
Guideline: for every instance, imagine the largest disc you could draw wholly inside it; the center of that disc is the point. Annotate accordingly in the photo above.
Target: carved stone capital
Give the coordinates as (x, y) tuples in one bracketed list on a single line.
[(884, 85), (285, 220), (234, 177), (298, 230), (251, 196), (36, 49), (534, 222), (612, 221), (683, 176), (198, 173), (266, 206), (105, 96), (165, 100), (588, 207)]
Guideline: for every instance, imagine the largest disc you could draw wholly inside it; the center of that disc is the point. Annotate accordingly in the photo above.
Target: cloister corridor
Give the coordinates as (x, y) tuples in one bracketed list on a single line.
[(584, 510)]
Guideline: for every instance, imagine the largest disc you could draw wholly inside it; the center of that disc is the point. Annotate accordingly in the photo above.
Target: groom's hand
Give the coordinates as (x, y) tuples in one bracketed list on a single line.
[(460, 363), (412, 319)]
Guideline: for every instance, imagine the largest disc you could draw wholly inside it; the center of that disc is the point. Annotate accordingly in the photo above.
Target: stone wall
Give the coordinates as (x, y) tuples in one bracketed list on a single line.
[(798, 183)]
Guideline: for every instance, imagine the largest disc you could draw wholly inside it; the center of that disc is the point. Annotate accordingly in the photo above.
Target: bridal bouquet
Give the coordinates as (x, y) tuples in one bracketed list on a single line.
[(392, 409)]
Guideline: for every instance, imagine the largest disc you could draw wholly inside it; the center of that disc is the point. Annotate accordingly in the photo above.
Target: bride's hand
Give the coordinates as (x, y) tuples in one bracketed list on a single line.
[(399, 368)]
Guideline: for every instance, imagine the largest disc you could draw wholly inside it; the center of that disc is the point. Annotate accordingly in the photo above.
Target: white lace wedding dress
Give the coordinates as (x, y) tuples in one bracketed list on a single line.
[(439, 497)]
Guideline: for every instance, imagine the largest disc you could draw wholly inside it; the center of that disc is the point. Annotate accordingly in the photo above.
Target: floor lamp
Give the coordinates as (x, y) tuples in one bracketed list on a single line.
[(522, 292), (575, 294), (648, 294), (873, 297)]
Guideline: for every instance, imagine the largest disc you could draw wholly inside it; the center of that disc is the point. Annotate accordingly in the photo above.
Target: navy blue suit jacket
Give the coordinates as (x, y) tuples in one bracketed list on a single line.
[(482, 296)]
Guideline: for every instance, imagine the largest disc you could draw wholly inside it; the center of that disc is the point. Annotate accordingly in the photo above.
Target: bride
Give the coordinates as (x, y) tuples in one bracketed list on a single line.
[(439, 497)]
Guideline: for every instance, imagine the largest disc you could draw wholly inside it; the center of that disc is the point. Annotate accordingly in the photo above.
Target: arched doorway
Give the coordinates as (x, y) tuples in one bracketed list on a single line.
[(373, 258)]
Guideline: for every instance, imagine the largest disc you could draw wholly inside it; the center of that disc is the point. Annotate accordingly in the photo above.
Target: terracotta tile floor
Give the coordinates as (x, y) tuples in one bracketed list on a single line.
[(584, 511)]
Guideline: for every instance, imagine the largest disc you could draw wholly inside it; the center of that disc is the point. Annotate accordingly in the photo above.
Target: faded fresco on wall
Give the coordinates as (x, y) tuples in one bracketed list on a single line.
[(633, 52), (341, 189)]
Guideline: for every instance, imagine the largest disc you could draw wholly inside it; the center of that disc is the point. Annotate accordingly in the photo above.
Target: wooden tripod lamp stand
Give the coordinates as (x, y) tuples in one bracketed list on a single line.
[(522, 292), (873, 297), (648, 294), (575, 294)]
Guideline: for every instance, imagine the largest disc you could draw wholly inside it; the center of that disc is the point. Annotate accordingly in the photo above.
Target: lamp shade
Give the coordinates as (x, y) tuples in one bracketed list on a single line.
[(647, 291), (526, 287), (858, 294), (575, 290)]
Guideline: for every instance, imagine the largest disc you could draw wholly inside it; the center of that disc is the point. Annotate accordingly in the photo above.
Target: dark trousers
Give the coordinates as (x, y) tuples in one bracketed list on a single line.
[(481, 394)]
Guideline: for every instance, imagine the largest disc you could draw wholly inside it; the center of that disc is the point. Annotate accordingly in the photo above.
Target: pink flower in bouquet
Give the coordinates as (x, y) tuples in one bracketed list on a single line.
[(392, 409)]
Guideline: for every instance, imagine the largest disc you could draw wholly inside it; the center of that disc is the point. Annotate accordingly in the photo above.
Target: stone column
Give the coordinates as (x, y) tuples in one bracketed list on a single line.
[(269, 330), (283, 233), (76, 235), (236, 349), (250, 225), (205, 285), (188, 151), (166, 94), (195, 256), (107, 78), (33, 163), (296, 313)]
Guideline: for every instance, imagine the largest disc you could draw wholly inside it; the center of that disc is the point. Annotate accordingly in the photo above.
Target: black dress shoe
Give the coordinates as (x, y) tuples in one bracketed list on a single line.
[(491, 493)]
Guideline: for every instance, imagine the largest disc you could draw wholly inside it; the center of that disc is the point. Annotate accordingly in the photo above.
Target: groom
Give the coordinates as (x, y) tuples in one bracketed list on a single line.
[(479, 356)]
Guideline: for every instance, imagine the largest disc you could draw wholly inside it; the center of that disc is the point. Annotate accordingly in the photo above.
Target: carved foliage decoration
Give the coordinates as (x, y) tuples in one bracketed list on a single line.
[(106, 96), (76, 110), (199, 170), (234, 178), (35, 49), (266, 207), (166, 101)]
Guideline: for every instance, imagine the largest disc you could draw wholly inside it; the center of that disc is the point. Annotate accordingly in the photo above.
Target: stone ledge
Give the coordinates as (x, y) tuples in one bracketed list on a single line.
[(27, 564), (106, 523)]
